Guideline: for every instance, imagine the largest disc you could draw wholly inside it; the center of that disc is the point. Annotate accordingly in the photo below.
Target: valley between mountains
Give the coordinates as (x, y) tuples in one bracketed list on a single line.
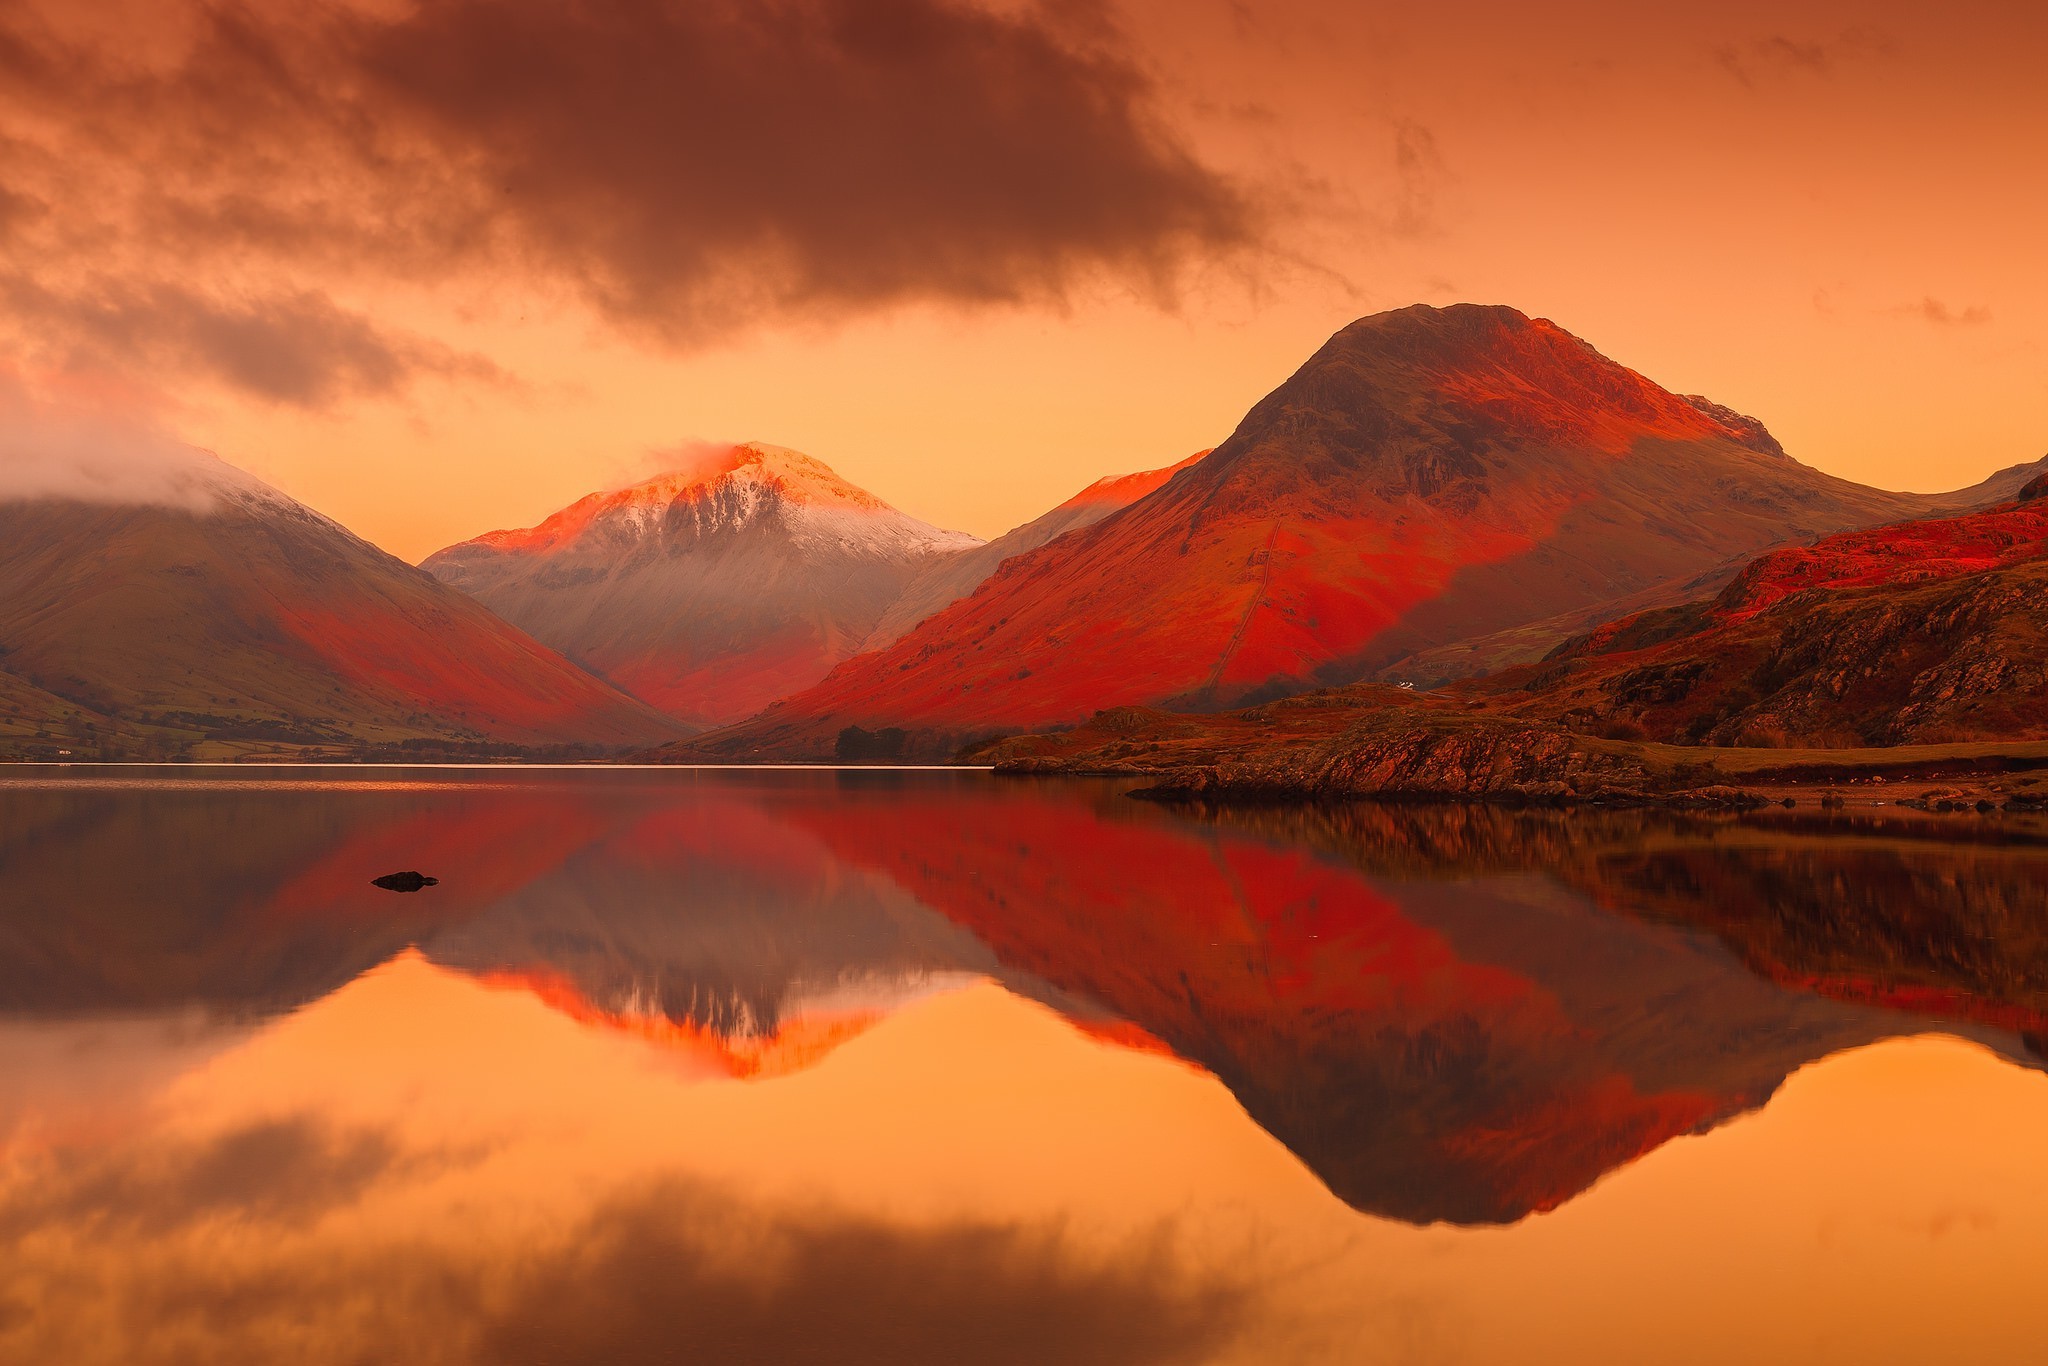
[(1459, 553)]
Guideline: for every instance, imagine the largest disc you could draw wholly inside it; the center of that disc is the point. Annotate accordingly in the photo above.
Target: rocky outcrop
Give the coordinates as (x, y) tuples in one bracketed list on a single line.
[(1751, 432), (1366, 741), (1489, 760), (1907, 913)]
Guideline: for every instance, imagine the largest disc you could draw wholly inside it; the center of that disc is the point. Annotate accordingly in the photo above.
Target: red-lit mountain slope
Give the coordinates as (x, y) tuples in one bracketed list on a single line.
[(1923, 632), (245, 616), (1528, 643), (710, 591), (1430, 475), (956, 577)]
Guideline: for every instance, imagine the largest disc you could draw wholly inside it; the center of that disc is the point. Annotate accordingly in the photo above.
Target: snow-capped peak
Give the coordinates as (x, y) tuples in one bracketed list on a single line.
[(728, 489)]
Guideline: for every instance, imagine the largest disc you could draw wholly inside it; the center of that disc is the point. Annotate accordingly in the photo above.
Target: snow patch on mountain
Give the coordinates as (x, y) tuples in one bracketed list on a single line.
[(748, 486)]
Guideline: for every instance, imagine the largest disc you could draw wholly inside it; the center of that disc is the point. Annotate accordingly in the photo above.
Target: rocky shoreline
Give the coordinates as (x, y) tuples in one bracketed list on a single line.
[(1388, 744)]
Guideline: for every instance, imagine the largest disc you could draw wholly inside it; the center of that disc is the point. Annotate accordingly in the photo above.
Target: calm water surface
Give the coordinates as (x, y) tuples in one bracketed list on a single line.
[(852, 1067)]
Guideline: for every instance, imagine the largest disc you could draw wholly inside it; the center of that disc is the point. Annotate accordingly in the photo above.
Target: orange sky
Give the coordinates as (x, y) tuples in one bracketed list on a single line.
[(442, 267)]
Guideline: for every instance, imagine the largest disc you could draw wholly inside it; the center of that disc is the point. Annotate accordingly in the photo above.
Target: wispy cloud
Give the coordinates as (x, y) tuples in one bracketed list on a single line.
[(87, 453), (294, 347), (1940, 314), (1420, 172), (1760, 59)]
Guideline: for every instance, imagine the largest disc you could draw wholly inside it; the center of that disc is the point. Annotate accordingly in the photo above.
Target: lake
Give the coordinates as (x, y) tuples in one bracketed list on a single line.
[(873, 1066)]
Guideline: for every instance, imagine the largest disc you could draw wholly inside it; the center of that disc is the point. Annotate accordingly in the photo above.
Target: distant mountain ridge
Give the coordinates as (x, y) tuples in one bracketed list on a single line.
[(708, 591), (1925, 632), (1478, 656), (949, 580), (1430, 476)]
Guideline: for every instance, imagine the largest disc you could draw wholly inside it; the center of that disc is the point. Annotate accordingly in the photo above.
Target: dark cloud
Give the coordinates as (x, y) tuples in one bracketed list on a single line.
[(684, 166), (685, 158), (660, 1271)]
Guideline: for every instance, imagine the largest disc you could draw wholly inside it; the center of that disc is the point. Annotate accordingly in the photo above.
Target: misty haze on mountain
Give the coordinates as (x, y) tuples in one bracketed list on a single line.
[(47, 452)]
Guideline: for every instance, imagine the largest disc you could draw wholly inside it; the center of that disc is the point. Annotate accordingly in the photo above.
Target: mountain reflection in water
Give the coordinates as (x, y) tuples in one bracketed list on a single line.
[(1449, 1015)]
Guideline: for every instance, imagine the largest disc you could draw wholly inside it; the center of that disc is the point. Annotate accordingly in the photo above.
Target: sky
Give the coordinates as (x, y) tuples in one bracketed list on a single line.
[(443, 266)]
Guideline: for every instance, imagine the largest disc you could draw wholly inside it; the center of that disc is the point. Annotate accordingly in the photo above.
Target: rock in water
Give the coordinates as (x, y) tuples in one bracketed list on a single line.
[(407, 881)]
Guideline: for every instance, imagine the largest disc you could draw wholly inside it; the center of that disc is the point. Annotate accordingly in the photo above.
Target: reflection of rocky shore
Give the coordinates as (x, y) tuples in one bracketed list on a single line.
[(1934, 916)]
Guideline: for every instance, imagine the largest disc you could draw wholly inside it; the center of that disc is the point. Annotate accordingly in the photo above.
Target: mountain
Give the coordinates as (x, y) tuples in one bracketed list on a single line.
[(243, 617), (2012, 484), (33, 721), (1429, 476), (956, 577), (709, 591), (1910, 655), (1925, 632)]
